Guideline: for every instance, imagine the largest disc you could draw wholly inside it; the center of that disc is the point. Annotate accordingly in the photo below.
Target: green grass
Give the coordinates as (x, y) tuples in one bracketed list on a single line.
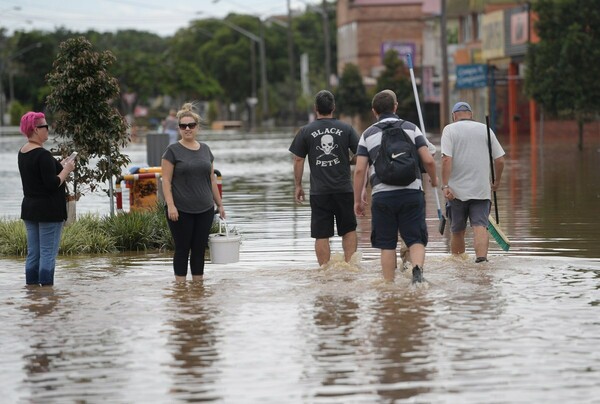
[(86, 236), (137, 231), (92, 234), (13, 238)]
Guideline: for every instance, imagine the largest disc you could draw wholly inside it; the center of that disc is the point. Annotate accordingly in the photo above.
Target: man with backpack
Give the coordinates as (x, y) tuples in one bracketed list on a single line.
[(391, 150)]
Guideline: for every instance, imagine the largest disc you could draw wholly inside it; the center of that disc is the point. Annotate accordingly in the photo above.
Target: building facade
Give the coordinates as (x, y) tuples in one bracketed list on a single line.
[(485, 66)]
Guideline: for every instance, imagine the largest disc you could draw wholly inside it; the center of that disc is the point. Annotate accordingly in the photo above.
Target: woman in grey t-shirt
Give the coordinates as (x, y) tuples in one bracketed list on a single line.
[(190, 191)]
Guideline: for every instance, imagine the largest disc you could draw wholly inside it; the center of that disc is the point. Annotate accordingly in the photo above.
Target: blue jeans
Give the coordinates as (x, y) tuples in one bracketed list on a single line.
[(43, 240)]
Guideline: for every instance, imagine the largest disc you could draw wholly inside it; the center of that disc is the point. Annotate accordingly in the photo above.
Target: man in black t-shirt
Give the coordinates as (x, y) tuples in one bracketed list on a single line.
[(327, 142)]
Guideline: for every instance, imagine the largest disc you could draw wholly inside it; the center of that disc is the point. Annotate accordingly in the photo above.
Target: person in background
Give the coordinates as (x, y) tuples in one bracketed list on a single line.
[(169, 126), (190, 191), (466, 178), (44, 206), (327, 142), (394, 209)]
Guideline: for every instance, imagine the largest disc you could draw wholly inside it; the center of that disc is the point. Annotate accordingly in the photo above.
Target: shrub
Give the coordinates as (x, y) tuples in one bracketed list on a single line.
[(86, 236), (13, 238), (132, 231), (162, 236), (92, 234)]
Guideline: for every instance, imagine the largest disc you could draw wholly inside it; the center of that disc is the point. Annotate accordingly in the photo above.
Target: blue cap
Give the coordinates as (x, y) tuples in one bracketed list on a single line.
[(461, 106)]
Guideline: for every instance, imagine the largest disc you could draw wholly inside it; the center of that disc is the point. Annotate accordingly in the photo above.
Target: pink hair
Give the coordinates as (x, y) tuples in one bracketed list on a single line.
[(29, 121)]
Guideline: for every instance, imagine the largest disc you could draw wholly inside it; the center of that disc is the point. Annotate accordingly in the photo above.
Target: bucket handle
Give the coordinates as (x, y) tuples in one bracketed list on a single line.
[(222, 223)]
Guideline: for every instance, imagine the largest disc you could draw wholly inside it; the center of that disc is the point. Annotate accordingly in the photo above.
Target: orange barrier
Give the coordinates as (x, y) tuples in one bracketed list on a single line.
[(143, 187)]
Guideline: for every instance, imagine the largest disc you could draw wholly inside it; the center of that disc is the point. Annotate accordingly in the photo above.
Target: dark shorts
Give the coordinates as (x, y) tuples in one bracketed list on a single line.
[(324, 208), (476, 210), (398, 211)]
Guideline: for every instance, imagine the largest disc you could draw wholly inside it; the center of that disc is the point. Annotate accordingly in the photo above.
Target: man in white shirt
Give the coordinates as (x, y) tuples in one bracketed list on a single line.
[(466, 178)]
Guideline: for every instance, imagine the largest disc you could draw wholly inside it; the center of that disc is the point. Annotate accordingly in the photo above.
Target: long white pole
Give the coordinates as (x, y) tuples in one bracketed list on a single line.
[(414, 86)]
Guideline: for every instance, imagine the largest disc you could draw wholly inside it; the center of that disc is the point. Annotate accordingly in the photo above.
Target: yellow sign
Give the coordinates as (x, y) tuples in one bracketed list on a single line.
[(492, 41)]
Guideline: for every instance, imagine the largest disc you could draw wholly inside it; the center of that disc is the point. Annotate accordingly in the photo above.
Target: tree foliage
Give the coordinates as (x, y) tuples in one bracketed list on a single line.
[(351, 96), (563, 68), (81, 95), (29, 68), (205, 61), (396, 77)]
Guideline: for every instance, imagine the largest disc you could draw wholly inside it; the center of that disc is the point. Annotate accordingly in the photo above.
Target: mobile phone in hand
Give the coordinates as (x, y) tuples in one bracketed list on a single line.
[(72, 156)]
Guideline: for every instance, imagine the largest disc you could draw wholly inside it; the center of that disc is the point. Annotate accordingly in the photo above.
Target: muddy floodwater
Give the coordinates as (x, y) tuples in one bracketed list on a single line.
[(276, 328)]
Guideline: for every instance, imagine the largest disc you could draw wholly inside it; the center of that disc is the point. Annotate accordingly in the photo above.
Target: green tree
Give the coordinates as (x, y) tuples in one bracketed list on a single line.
[(309, 37), (396, 77), (139, 65), (224, 55), (218, 56), (563, 68), (351, 96), (29, 68), (86, 122), (205, 61), (16, 111)]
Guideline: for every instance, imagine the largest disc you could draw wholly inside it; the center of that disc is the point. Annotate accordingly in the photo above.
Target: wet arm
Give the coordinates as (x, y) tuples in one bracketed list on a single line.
[(446, 172), (216, 194), (167, 177), (498, 169), (298, 173), (446, 169), (360, 178), (429, 164)]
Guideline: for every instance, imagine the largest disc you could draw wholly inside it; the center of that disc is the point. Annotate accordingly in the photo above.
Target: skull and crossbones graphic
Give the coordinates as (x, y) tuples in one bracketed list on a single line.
[(327, 146)]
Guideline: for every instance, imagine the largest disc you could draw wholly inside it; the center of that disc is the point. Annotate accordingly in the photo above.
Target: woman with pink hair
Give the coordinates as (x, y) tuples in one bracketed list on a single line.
[(44, 206)]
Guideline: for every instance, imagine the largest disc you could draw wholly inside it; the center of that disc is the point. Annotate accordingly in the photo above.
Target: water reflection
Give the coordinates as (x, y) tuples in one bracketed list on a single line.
[(192, 342), (297, 333), (40, 304), (400, 320), (336, 342), (60, 355)]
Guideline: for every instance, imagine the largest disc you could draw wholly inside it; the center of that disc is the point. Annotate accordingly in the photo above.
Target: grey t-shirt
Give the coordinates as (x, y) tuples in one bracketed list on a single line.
[(191, 184), (328, 143)]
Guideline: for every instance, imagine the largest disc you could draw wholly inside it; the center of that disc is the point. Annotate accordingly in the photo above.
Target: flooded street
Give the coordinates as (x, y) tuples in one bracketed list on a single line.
[(274, 328)]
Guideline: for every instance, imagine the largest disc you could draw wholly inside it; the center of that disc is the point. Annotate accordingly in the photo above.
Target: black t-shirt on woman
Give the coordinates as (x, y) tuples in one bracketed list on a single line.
[(44, 197)]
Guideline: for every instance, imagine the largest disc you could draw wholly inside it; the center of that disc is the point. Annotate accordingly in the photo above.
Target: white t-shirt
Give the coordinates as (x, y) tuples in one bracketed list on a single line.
[(467, 143)]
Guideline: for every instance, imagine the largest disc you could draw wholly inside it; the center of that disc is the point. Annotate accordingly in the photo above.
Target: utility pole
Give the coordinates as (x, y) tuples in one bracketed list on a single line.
[(252, 101), (263, 75), (2, 64), (292, 69), (444, 99), (262, 56), (327, 41)]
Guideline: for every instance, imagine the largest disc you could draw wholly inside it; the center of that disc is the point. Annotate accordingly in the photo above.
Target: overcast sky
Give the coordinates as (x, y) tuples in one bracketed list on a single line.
[(163, 17)]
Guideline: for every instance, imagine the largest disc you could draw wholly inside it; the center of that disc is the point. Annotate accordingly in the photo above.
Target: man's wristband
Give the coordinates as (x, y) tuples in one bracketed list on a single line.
[(445, 186)]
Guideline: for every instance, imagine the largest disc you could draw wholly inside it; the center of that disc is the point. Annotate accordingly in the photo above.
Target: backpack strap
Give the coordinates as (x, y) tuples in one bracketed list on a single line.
[(389, 124), (395, 124)]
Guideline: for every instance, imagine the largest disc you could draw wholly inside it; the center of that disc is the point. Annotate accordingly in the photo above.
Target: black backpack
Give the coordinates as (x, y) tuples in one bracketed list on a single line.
[(397, 160)]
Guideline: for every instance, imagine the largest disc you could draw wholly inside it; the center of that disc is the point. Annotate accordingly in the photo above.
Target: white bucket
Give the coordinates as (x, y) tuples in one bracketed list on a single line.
[(224, 247)]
